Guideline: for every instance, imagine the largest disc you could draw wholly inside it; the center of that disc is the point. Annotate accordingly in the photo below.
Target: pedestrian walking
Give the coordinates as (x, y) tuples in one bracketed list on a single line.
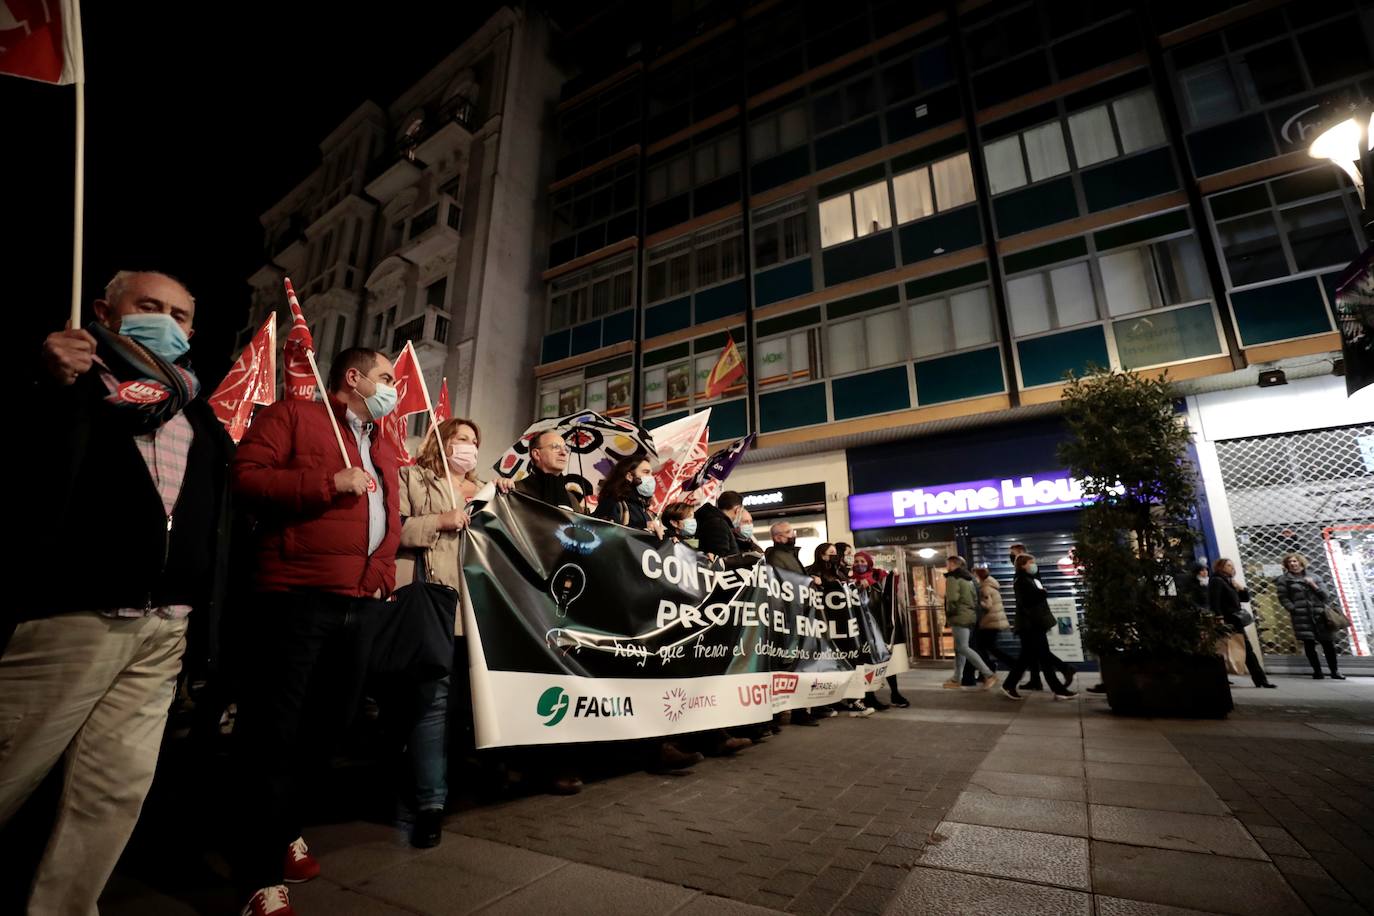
[(1224, 598), (1303, 597), (1033, 621), (961, 613)]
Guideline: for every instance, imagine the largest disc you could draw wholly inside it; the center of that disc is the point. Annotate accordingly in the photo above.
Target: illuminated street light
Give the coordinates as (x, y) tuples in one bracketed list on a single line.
[(1346, 143)]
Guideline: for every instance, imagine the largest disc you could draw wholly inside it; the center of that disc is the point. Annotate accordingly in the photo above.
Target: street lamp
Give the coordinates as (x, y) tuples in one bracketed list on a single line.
[(1347, 143)]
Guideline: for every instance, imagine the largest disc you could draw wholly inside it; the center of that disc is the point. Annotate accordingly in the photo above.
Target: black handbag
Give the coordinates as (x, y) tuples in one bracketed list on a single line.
[(414, 635)]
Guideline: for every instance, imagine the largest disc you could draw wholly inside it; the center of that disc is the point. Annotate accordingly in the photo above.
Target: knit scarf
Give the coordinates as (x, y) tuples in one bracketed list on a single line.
[(148, 390)]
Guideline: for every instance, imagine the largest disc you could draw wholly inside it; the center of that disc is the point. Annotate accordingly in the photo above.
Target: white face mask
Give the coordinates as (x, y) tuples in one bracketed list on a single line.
[(462, 457), (646, 486)]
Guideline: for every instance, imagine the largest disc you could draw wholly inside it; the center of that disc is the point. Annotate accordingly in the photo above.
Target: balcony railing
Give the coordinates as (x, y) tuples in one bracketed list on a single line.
[(428, 329)]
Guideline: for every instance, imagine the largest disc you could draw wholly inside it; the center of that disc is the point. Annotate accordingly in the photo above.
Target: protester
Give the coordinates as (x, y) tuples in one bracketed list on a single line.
[(862, 575), (1303, 597), (784, 553), (992, 620), (1066, 671), (961, 615), (1033, 621), (626, 493), (326, 544), (624, 498), (109, 578), (824, 561), (894, 623), (744, 536), (679, 522), (547, 480), (844, 558), (716, 526), (1224, 599), (431, 523)]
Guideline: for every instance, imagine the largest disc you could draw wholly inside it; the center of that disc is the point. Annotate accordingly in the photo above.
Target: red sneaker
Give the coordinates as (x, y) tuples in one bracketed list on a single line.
[(270, 901), (301, 866)]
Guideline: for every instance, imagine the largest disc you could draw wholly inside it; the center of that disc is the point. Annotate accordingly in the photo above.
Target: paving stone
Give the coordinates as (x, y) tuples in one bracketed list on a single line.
[(460, 875), (322, 896), (1204, 882), (1223, 836), (1116, 906), (1030, 766), (1041, 747), (1004, 853), (1131, 794), (1162, 776), (1135, 755), (1041, 814), (709, 905), (1065, 788), (569, 890), (936, 892)]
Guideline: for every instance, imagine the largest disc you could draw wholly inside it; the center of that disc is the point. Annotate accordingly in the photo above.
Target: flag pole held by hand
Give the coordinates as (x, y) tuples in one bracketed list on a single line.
[(328, 408)]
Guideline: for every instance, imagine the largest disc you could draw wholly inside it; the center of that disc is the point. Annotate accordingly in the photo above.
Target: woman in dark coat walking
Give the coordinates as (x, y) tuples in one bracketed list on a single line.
[(1033, 620), (1303, 597), (1224, 599)]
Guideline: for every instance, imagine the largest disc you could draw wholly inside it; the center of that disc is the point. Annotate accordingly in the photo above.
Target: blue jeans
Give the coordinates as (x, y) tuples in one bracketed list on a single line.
[(428, 746), (962, 637)]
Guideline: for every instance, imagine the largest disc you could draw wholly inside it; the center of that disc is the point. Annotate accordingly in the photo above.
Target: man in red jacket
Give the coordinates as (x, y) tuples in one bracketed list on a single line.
[(326, 539)]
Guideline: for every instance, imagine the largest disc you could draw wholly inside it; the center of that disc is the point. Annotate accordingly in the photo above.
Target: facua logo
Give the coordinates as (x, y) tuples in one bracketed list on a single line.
[(553, 706), (784, 684), (553, 703), (753, 695), (677, 702)]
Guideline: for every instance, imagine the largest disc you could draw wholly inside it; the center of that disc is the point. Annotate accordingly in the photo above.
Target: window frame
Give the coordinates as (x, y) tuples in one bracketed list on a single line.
[(584, 281)]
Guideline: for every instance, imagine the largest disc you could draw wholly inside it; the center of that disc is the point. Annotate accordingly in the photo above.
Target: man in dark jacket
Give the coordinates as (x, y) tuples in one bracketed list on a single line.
[(1048, 658), (326, 549), (546, 480), (716, 526), (125, 536), (784, 554)]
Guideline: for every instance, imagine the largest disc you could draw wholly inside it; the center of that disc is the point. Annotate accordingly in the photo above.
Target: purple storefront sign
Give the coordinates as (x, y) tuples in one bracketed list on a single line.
[(1042, 492)]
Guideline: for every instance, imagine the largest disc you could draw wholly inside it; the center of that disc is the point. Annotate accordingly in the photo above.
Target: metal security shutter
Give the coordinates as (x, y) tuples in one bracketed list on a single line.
[(1051, 550), (1310, 493)]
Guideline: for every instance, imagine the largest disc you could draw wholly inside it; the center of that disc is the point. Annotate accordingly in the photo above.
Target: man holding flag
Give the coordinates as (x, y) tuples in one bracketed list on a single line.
[(323, 483), (125, 524)]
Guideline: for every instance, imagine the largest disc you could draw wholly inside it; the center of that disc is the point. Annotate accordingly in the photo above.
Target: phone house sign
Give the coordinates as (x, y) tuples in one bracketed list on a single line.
[(1041, 492)]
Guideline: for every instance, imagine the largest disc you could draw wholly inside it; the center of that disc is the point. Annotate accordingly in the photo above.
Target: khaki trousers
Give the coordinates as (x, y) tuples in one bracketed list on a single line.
[(98, 690)]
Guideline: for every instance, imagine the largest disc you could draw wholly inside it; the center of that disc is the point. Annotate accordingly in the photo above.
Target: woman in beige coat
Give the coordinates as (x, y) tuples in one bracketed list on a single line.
[(992, 619), (433, 517)]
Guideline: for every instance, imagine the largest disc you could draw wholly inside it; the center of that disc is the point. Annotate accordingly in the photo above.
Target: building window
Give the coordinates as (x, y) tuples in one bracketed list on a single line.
[(669, 271), (1154, 276), (777, 133), (715, 159), (781, 233), (865, 342), (719, 255), (1025, 158), (952, 183), (1057, 298), (592, 293), (594, 212), (844, 105), (1299, 223), (436, 292), (671, 178), (707, 257), (957, 321), (1119, 128), (788, 358), (855, 214), (1262, 60)]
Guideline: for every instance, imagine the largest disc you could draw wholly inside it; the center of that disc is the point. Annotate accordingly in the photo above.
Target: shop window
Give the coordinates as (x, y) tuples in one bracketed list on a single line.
[(855, 214), (957, 321)]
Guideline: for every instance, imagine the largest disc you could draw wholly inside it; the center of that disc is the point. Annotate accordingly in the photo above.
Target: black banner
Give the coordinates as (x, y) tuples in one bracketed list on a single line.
[(584, 630)]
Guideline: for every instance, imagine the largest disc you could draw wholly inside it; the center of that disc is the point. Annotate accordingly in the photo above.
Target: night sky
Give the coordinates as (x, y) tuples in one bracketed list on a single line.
[(199, 117)]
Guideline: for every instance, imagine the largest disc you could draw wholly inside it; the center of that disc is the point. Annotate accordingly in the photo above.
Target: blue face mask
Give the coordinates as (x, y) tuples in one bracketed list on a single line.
[(1032, 568), (158, 332), (381, 401), (689, 527), (646, 487), (746, 531)]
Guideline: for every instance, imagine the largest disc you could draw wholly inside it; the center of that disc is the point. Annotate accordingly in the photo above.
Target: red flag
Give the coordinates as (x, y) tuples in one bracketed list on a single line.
[(41, 40), (300, 378), (729, 367), (442, 410), (252, 380), (411, 398)]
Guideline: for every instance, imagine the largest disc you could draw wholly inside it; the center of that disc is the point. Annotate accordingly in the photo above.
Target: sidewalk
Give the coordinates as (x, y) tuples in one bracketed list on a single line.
[(965, 803)]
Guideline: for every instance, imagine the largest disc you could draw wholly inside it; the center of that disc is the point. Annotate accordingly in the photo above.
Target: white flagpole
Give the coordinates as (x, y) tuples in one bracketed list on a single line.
[(433, 423), (78, 202), (329, 408)]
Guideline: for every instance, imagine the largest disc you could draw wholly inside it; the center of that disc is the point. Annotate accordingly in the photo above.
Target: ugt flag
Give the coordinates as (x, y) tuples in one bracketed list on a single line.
[(41, 40), (411, 398), (252, 380), (442, 409), (300, 377)]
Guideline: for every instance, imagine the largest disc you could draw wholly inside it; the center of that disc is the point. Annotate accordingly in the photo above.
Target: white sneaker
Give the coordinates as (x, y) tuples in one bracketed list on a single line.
[(861, 712), (269, 901)]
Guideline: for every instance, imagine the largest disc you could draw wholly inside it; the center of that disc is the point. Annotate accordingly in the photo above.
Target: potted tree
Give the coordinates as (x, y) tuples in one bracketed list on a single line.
[(1129, 450)]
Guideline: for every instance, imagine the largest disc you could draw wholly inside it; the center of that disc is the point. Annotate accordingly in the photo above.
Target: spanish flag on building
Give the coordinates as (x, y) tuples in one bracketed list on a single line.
[(727, 369)]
